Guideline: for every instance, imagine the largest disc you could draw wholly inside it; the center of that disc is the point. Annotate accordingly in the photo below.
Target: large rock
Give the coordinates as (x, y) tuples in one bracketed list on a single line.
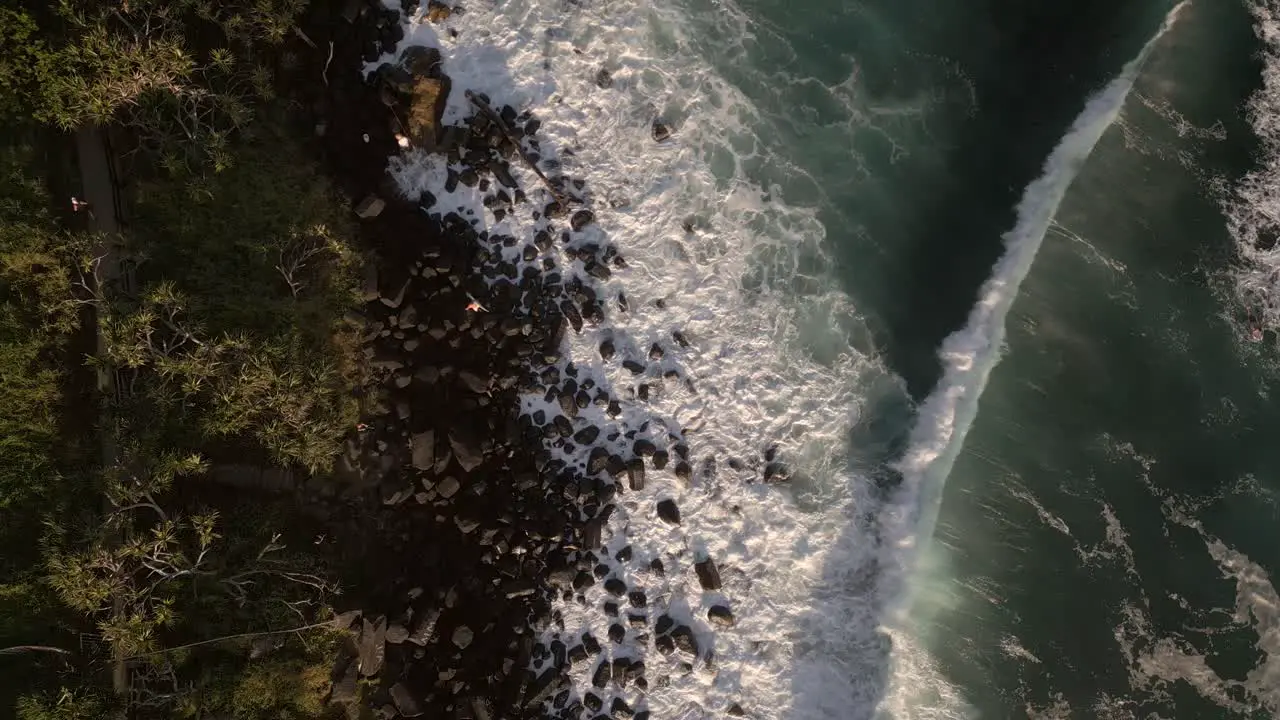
[(721, 615), (424, 450), (397, 633), (393, 300), (370, 207), (345, 689), (708, 574), (466, 449), (373, 646), (462, 637), (370, 288), (405, 701), (474, 382), (425, 630), (426, 107), (421, 61)]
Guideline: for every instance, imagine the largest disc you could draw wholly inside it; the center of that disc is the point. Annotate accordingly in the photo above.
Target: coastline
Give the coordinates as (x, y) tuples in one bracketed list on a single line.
[(501, 504)]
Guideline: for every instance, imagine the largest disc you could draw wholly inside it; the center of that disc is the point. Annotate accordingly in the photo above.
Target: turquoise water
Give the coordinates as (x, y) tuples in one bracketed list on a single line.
[(1090, 554)]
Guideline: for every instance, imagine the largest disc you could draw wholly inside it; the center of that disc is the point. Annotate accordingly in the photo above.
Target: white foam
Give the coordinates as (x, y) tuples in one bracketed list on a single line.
[(1254, 211), (1156, 659), (769, 355), (969, 355)]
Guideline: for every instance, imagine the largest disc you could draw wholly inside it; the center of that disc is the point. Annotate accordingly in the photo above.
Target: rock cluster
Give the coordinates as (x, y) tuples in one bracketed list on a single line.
[(483, 521)]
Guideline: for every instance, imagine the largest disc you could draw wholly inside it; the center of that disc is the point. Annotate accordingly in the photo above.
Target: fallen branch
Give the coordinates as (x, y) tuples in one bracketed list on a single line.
[(325, 74), (33, 648), (506, 132), (298, 31), (331, 623)]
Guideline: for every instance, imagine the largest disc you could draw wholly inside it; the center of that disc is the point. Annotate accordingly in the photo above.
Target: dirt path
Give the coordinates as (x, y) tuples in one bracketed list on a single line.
[(100, 193)]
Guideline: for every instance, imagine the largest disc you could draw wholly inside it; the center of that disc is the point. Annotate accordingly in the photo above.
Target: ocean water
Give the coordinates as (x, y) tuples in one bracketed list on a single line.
[(985, 276)]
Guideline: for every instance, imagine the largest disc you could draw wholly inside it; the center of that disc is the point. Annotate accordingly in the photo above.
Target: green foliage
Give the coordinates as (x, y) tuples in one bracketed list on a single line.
[(247, 274), (285, 688), (234, 337), (36, 318), (65, 705), (20, 50)]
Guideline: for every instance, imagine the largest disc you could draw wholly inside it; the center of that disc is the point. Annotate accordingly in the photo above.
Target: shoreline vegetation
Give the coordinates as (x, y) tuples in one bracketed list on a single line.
[(220, 312)]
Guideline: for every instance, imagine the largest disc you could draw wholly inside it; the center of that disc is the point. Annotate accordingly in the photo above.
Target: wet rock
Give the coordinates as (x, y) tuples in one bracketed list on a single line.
[(656, 352), (684, 471), (615, 587), (685, 640), (447, 487), (394, 300), (423, 449), (669, 511), (620, 710), (475, 383), (369, 287), (735, 710), (776, 472), (604, 79), (373, 638), (660, 131), (438, 12), (462, 637), (635, 367), (660, 459), (607, 350), (664, 624), (563, 426), (426, 107), (397, 633), (600, 678), (586, 435), (708, 574), (635, 473), (466, 449), (420, 60), (424, 631), (617, 633), (721, 615), (351, 10), (370, 207), (581, 219), (615, 466), (481, 709), (405, 701), (597, 461), (344, 690)]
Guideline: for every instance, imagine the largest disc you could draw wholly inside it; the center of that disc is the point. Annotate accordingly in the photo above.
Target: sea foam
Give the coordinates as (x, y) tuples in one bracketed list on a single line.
[(712, 254), (1253, 213)]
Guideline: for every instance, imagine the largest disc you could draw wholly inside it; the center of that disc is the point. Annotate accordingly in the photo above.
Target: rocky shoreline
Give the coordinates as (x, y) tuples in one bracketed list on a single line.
[(493, 510)]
